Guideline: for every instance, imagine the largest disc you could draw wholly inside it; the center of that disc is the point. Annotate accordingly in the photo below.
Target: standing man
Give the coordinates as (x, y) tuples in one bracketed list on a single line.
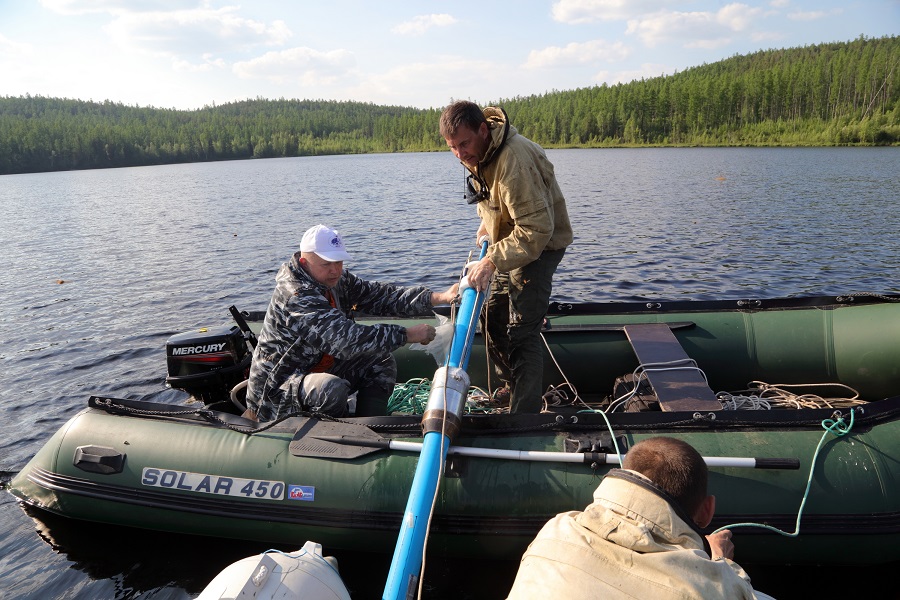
[(640, 538), (523, 214), (311, 354)]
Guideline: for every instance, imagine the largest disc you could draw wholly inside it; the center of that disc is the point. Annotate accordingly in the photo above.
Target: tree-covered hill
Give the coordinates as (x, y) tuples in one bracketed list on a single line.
[(823, 95), (827, 94)]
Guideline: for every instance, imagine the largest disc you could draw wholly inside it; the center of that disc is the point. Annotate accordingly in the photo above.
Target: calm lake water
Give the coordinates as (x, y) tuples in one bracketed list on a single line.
[(101, 267)]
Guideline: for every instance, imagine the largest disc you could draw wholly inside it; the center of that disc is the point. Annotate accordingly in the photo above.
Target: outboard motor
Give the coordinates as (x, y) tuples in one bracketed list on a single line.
[(208, 363)]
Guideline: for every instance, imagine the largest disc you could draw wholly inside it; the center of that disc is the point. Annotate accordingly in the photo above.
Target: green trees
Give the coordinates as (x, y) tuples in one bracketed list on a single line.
[(772, 97), (47, 134), (827, 94)]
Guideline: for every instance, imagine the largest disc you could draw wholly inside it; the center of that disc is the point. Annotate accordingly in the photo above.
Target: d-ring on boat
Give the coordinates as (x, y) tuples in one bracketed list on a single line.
[(805, 391)]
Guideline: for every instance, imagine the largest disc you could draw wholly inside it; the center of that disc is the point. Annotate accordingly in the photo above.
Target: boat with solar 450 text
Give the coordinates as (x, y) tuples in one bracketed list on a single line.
[(793, 401)]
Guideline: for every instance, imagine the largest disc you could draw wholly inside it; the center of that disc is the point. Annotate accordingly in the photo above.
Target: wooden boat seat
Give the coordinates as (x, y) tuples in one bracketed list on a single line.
[(679, 389)]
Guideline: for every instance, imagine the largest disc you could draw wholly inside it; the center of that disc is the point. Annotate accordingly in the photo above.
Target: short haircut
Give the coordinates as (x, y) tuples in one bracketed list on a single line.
[(461, 113), (673, 465)]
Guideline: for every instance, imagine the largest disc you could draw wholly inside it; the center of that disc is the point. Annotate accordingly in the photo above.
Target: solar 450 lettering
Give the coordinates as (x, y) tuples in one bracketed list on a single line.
[(212, 484)]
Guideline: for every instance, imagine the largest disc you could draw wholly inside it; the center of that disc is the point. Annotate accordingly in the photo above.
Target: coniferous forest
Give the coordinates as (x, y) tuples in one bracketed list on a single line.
[(823, 95)]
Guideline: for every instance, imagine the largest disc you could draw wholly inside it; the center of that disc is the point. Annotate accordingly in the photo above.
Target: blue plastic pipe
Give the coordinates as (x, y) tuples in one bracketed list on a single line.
[(466, 323), (403, 578)]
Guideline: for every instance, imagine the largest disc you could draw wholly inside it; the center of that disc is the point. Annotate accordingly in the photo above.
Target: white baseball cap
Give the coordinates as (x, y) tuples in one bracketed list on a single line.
[(325, 242)]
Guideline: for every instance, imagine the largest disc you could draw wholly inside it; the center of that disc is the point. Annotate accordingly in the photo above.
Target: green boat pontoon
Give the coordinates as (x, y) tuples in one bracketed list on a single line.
[(795, 402)]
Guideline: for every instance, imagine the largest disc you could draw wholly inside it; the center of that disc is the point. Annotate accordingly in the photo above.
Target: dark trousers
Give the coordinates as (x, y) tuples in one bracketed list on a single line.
[(512, 320)]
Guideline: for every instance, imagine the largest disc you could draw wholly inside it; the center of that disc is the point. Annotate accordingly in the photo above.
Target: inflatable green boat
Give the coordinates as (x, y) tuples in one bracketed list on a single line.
[(793, 401)]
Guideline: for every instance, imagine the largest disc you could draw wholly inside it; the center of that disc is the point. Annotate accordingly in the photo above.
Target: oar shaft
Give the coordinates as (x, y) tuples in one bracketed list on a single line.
[(591, 457), (551, 456)]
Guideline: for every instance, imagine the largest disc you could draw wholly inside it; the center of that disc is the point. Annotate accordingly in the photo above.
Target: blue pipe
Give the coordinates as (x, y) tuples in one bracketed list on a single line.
[(464, 328), (403, 578)]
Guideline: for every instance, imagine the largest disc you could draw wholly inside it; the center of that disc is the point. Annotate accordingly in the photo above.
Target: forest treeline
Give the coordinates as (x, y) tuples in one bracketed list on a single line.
[(822, 95)]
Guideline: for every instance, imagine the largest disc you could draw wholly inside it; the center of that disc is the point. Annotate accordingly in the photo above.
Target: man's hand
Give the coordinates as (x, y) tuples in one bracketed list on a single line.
[(420, 334), (480, 274), (438, 298), (720, 544)]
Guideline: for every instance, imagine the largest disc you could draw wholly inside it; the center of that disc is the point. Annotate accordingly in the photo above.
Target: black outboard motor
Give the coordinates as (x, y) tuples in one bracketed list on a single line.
[(208, 363)]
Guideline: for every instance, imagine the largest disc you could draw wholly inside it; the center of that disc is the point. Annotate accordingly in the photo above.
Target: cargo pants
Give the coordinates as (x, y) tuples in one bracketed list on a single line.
[(512, 320)]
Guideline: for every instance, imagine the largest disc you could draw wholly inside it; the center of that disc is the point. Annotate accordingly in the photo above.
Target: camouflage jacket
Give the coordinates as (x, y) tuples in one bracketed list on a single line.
[(301, 326)]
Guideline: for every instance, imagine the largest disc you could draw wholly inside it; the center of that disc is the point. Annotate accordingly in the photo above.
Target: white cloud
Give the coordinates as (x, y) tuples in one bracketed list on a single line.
[(193, 32), (577, 54), (813, 15), (576, 12), (10, 48), (81, 7), (208, 63), (665, 26), (693, 29), (430, 84), (737, 17), (709, 43), (422, 23), (417, 78), (303, 65)]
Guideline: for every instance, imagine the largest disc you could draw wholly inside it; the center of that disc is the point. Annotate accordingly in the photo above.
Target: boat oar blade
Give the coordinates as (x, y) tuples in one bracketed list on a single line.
[(321, 439)]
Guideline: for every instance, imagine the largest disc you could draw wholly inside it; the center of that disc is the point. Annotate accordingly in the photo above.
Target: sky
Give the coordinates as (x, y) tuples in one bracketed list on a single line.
[(187, 54)]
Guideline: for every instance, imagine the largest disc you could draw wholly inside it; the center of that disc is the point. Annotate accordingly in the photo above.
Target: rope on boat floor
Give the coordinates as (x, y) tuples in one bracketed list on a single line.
[(768, 396), (411, 397)]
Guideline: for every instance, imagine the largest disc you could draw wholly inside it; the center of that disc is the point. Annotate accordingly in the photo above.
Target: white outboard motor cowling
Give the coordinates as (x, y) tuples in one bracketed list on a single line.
[(274, 575)]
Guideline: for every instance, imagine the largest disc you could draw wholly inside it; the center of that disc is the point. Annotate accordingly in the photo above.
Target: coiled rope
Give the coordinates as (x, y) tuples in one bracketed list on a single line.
[(766, 396), (412, 397)]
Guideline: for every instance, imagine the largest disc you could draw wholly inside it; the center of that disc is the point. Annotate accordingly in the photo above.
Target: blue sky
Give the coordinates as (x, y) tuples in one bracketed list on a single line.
[(188, 53)]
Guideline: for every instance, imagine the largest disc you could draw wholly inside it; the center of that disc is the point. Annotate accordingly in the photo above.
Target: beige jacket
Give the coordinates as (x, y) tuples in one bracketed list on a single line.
[(526, 212), (629, 543)]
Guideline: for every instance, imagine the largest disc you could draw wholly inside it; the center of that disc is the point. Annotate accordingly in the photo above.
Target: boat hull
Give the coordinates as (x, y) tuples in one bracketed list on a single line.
[(207, 472), (486, 507)]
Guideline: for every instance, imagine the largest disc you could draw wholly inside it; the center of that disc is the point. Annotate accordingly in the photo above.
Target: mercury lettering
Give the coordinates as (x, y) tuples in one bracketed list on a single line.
[(182, 350)]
